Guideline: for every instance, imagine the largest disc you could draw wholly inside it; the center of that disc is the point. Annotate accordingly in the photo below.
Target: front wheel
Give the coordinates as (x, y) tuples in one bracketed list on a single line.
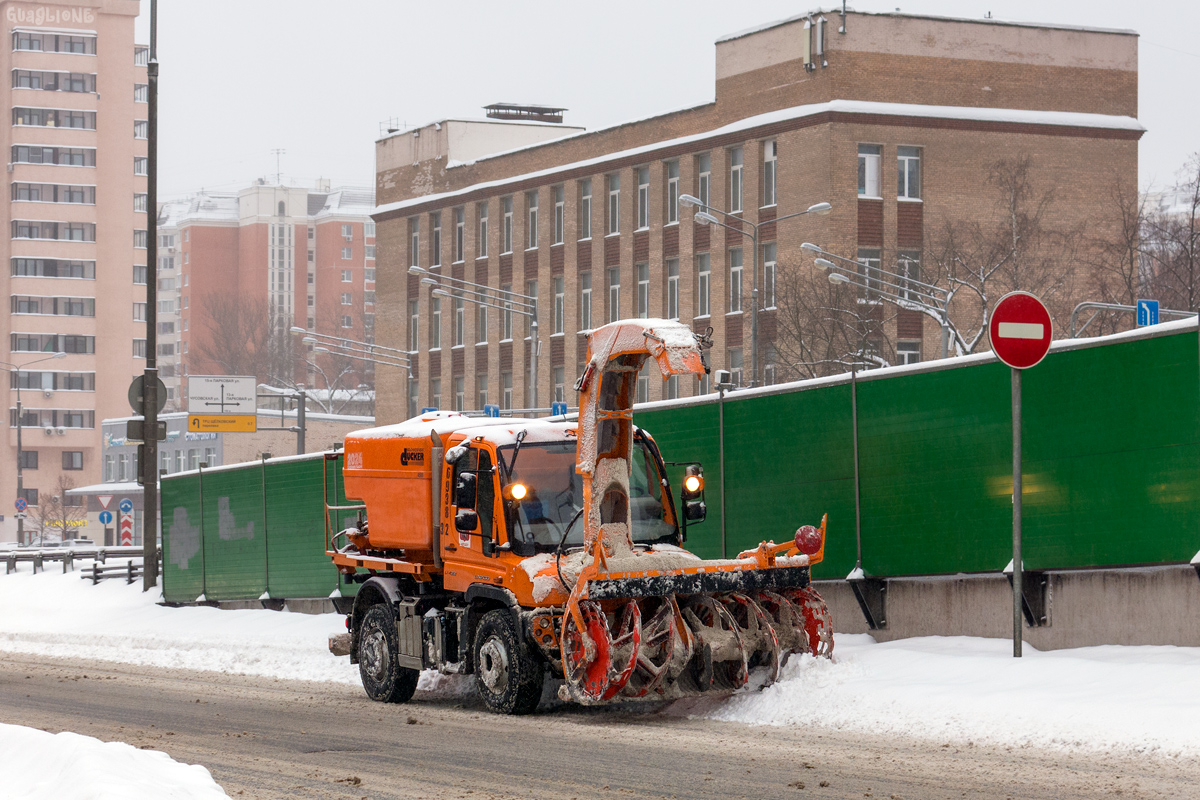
[(384, 680), (508, 675)]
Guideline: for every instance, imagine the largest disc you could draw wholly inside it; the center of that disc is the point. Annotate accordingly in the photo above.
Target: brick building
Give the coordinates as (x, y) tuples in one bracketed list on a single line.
[(76, 207), (817, 108), (309, 254)]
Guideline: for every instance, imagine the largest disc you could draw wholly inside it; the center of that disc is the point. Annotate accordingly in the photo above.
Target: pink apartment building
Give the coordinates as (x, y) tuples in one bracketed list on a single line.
[(75, 248)]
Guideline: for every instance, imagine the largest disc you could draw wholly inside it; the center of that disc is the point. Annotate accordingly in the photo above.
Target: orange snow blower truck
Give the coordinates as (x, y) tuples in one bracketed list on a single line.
[(516, 548)]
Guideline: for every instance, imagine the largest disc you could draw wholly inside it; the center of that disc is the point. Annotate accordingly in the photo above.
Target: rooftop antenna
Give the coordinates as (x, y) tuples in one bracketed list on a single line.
[(843, 28), (278, 151)]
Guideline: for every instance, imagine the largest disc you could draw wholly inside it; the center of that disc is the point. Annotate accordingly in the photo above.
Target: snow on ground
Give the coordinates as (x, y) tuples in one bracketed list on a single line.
[(949, 689), (68, 766)]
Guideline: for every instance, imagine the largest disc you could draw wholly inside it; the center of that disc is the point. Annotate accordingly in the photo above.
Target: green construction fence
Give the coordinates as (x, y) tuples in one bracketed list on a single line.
[(1111, 473)]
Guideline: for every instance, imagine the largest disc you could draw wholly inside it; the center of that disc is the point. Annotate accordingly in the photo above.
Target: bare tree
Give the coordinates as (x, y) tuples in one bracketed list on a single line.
[(1116, 258), (237, 334), (55, 515), (823, 329), (1172, 243), (978, 261)]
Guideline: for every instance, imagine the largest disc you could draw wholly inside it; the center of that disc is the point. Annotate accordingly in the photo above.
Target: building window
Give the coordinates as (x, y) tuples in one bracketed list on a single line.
[(643, 383), (139, 202), (868, 258), (460, 393), (414, 311), (908, 266), (347, 276), (769, 159), (560, 210), (139, 312), (368, 252), (531, 289), (643, 290), (141, 129), (908, 352), (769, 251), (435, 244), (348, 233), (71, 459), (585, 209), (868, 169), (435, 323), (531, 229), (481, 389), (908, 173), (702, 285), (347, 321), (139, 348), (735, 180), (585, 301), (507, 390), (435, 392), (369, 275), (506, 232), (481, 250), (703, 177), (643, 197), (460, 322), (769, 369), (672, 387), (139, 165), (614, 203), (29, 458), (347, 299), (460, 234), (481, 321), (560, 393), (414, 238), (140, 239), (735, 365), (506, 318), (614, 294), (559, 305), (672, 192), (139, 274), (30, 495), (672, 288), (735, 279)]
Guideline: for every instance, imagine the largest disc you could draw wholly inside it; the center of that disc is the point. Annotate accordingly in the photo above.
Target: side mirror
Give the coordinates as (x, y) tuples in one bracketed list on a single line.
[(464, 491), (695, 511), (466, 521)]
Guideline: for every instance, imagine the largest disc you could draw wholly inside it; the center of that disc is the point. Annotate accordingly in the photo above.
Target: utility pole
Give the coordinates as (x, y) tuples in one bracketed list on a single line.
[(278, 151), (149, 465)]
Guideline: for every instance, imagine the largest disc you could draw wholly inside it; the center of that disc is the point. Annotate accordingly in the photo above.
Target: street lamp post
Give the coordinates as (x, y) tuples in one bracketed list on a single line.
[(499, 299), (349, 348), (903, 291), (704, 217), (16, 369)]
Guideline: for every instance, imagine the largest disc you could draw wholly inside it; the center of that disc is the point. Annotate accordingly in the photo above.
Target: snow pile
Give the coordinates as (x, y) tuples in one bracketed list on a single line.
[(60, 615), (68, 766), (1142, 699)]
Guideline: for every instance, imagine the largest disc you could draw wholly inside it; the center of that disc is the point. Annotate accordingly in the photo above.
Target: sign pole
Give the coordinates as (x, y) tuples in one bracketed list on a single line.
[(149, 467), (1016, 501)]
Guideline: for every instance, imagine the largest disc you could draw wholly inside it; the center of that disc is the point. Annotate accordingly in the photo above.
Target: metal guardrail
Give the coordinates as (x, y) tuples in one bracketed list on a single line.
[(67, 555), (130, 572)]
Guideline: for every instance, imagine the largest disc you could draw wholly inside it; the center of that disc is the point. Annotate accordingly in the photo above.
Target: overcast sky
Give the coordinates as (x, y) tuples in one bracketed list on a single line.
[(316, 79)]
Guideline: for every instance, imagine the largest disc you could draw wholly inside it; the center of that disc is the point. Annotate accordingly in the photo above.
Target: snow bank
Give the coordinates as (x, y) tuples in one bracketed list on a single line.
[(959, 689), (68, 766)]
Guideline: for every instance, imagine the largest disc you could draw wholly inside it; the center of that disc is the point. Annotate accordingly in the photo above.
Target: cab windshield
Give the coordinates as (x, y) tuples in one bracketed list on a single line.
[(556, 495)]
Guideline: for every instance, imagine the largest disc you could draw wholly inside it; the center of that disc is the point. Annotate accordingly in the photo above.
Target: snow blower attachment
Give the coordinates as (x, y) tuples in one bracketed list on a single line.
[(511, 548)]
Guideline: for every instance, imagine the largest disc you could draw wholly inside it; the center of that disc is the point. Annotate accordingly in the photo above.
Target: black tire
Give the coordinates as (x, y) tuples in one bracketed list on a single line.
[(509, 677), (378, 645)]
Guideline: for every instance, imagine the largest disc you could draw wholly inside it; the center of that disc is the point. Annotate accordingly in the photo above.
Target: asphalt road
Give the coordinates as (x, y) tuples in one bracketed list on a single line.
[(264, 738)]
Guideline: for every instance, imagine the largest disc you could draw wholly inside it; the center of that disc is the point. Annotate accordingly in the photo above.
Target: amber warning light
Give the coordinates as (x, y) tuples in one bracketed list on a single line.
[(517, 491), (693, 483)]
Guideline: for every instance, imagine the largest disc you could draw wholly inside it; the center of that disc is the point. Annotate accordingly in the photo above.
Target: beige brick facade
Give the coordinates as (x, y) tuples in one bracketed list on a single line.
[(976, 93)]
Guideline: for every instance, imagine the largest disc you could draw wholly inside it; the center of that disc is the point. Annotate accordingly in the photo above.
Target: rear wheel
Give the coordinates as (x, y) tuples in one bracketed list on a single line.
[(509, 677), (383, 679)]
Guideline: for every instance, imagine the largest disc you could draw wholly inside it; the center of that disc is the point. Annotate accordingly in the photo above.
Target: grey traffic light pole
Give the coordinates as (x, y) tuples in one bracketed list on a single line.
[(149, 465)]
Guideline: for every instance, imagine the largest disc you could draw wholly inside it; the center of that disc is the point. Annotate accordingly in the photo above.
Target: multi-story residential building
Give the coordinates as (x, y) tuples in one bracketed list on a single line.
[(75, 247), (817, 108), (230, 263)]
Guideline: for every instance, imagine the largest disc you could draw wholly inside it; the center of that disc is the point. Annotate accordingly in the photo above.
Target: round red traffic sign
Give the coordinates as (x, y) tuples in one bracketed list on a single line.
[(1020, 330)]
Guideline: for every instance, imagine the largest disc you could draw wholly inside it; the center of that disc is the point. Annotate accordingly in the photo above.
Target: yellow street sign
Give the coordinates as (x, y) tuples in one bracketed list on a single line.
[(222, 423)]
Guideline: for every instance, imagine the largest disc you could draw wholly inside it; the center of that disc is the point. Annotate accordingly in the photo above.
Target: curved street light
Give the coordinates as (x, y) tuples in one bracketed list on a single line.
[(17, 368)]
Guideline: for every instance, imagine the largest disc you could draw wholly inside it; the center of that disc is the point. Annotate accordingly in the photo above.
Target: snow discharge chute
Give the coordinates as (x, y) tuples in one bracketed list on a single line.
[(642, 622)]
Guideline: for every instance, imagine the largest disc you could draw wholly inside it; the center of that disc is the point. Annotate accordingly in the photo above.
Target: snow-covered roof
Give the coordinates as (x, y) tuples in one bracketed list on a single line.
[(204, 206), (910, 110), (343, 201), (817, 12), (123, 487)]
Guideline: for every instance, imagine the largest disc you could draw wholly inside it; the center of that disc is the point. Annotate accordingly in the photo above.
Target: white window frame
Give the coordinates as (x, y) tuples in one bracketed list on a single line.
[(704, 178), (585, 301), (460, 234), (414, 318), (643, 290), (905, 350), (347, 276), (737, 157), (347, 298), (435, 226), (735, 280), (770, 162), (481, 388), (560, 210), (870, 159), (414, 247), (643, 198), (460, 322), (614, 294), (506, 318), (585, 209), (869, 272), (770, 253), (481, 244), (703, 285), (481, 324), (672, 171), (908, 161), (531, 230), (560, 304), (506, 232), (672, 288), (435, 323), (614, 203)]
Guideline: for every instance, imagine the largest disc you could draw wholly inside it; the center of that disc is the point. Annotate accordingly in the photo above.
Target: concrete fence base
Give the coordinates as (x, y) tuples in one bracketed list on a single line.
[(1150, 605)]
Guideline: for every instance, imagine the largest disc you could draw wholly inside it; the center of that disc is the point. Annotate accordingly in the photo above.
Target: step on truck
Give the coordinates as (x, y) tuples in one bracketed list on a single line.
[(521, 549)]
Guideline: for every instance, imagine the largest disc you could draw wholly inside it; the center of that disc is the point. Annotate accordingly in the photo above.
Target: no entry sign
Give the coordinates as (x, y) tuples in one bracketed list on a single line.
[(1020, 330)]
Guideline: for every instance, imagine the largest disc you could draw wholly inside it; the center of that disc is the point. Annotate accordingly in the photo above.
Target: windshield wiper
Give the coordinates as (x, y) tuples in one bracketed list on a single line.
[(521, 434)]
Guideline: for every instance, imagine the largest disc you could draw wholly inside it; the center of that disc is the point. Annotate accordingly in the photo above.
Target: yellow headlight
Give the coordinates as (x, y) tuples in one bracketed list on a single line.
[(692, 483)]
